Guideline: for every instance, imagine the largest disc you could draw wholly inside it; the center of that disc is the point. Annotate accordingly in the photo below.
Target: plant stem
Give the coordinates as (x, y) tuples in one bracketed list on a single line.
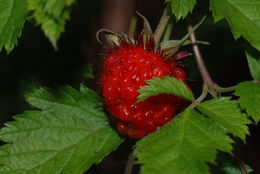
[(162, 24), (240, 161), (242, 166), (130, 163), (186, 37), (201, 97), (168, 31), (203, 70), (133, 24), (227, 89)]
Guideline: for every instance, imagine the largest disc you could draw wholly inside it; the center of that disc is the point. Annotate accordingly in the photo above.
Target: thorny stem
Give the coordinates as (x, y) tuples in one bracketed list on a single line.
[(130, 163), (203, 70), (162, 24)]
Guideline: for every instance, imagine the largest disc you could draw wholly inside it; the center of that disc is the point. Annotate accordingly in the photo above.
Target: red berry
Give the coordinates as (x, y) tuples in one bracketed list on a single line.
[(126, 68)]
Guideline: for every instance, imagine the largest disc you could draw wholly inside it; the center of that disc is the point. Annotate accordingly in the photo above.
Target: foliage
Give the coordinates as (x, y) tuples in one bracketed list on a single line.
[(242, 16), (180, 8), (253, 59), (69, 131), (51, 15), (68, 134), (12, 18), (165, 85), (227, 114), (249, 93), (191, 140)]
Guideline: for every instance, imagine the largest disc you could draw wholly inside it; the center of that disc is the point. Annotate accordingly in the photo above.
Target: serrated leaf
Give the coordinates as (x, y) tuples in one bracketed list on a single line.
[(12, 19), (183, 146), (227, 114), (249, 93), (52, 16), (165, 85), (180, 8), (242, 16), (67, 135), (253, 59)]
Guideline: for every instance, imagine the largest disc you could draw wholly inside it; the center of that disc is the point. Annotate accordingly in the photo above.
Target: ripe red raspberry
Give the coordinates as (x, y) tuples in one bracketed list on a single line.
[(126, 68)]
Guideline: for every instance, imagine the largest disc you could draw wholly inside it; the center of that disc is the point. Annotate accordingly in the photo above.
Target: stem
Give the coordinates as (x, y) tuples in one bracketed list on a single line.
[(162, 24), (242, 166), (240, 161), (201, 97), (227, 89), (133, 24), (203, 70), (186, 37), (130, 163), (168, 31)]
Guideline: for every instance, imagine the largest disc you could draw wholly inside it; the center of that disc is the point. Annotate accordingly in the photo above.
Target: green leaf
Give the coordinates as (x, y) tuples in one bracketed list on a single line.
[(165, 85), (253, 59), (227, 114), (180, 8), (67, 135), (242, 16), (12, 18), (52, 16), (183, 146), (249, 93)]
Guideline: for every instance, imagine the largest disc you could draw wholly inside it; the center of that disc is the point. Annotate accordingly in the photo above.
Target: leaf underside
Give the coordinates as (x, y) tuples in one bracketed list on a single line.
[(67, 135)]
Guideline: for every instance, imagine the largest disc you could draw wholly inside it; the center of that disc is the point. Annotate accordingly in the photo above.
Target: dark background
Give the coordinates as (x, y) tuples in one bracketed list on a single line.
[(35, 63)]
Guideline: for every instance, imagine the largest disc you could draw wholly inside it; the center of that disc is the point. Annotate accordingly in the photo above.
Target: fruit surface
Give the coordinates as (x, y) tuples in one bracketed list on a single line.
[(126, 68)]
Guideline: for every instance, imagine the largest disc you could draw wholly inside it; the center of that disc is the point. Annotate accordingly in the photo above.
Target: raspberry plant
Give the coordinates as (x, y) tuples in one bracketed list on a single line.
[(70, 129)]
